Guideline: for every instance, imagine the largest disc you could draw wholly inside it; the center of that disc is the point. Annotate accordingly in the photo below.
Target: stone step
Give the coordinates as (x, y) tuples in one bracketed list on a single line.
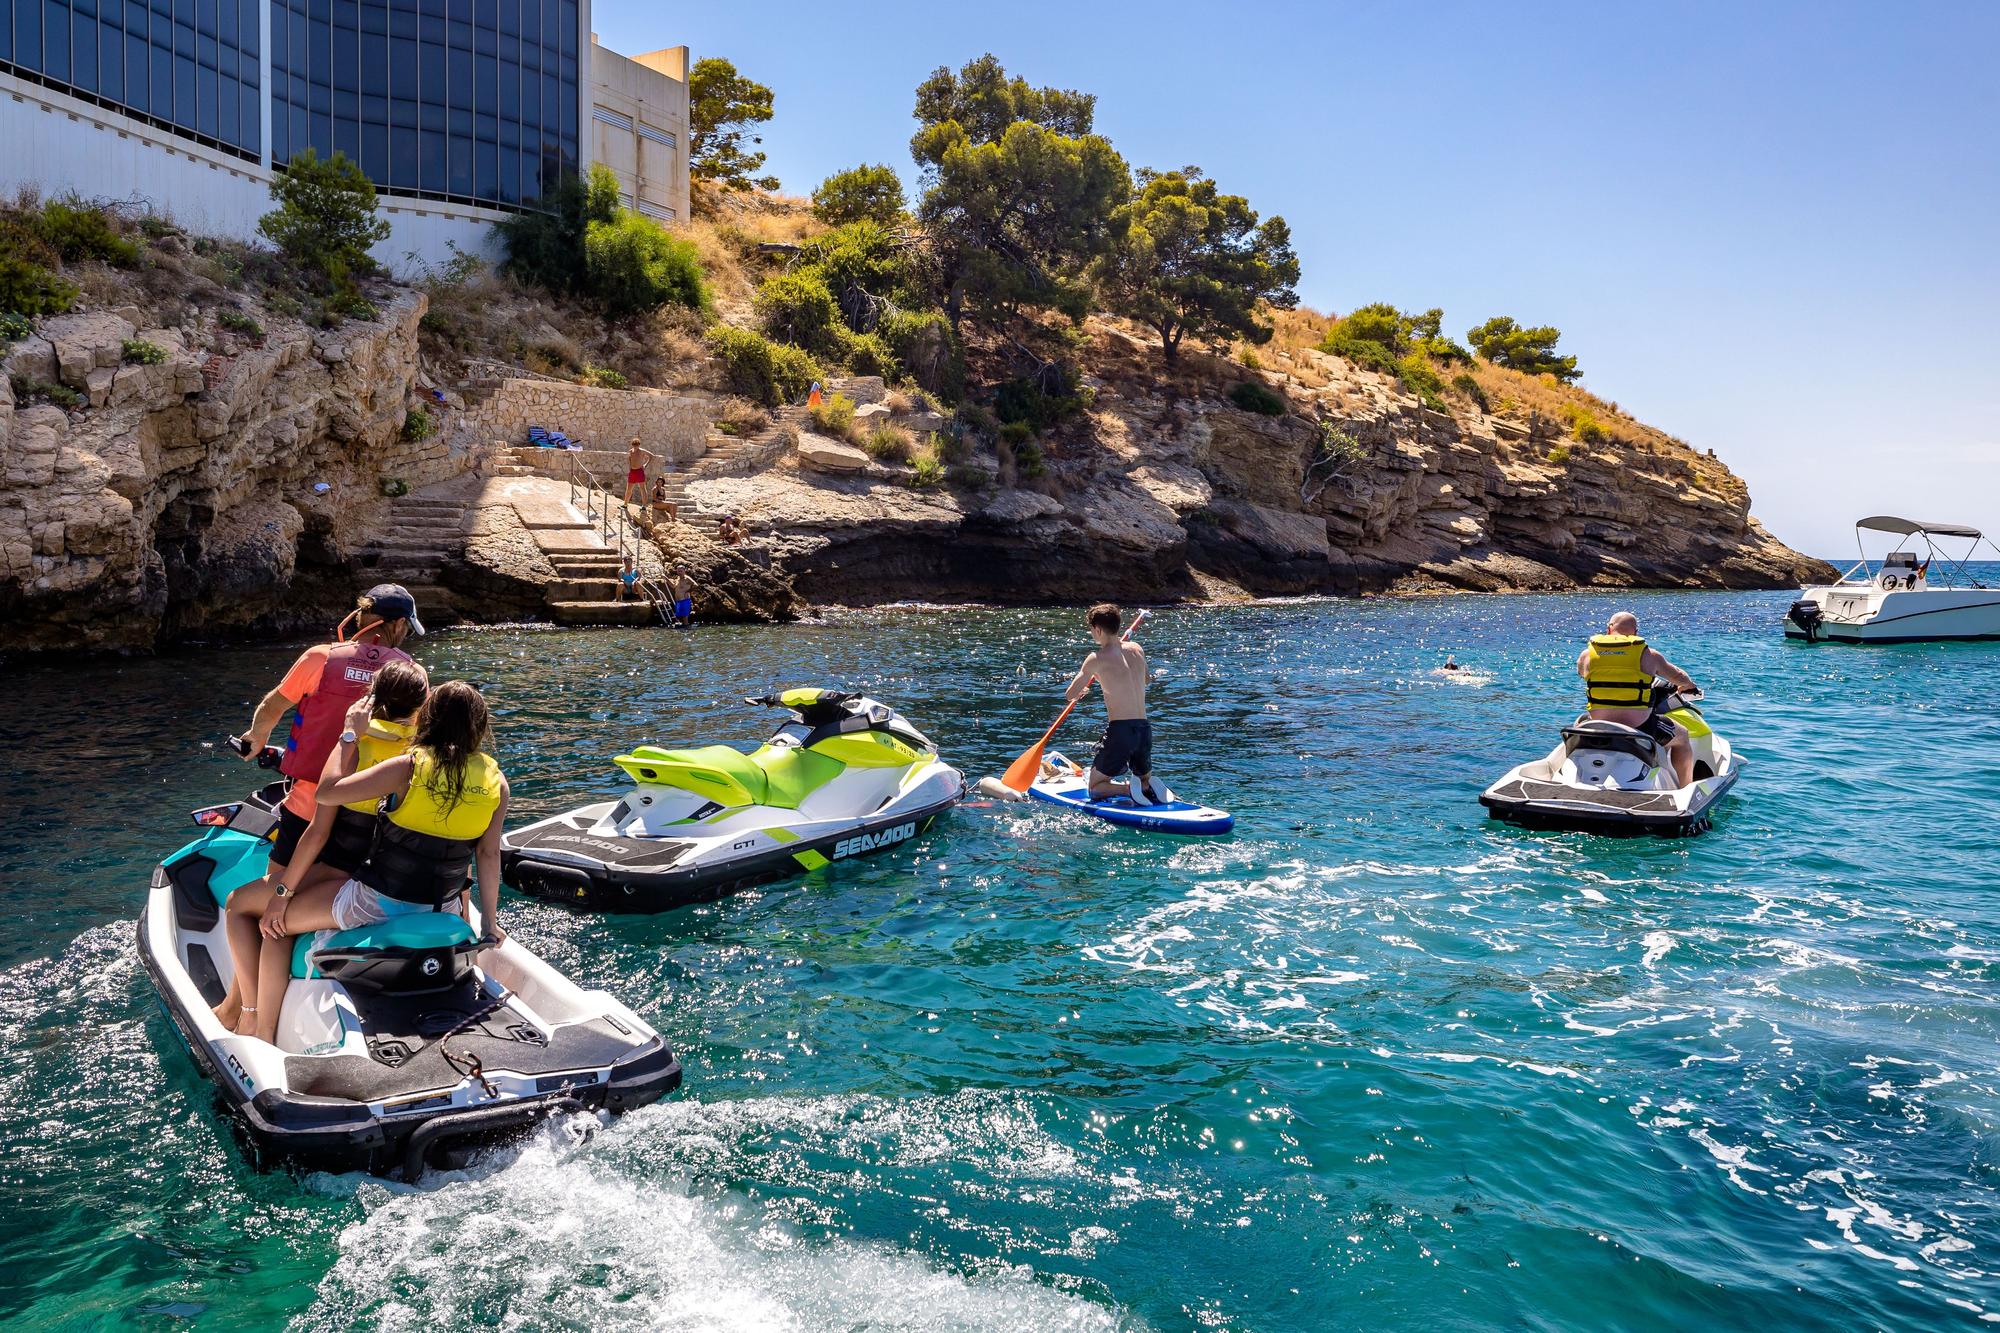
[(603, 613), (420, 504), (409, 545), (571, 589)]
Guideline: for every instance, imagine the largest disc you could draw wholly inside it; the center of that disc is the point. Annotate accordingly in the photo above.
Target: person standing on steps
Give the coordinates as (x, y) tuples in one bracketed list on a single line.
[(681, 588), (1619, 670), (325, 681), (1119, 667), (636, 456)]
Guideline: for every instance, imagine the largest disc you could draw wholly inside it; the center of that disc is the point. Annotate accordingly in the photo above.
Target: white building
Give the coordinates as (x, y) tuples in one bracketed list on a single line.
[(458, 112)]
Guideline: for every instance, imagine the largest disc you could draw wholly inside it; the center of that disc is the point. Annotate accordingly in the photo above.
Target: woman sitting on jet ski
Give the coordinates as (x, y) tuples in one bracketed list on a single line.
[(337, 837), (446, 802)]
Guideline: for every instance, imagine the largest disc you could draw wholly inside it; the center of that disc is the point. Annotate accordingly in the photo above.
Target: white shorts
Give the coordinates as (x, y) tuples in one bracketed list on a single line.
[(358, 905)]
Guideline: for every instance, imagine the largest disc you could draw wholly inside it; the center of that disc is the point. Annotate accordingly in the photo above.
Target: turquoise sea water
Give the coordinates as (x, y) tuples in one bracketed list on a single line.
[(1370, 1062)]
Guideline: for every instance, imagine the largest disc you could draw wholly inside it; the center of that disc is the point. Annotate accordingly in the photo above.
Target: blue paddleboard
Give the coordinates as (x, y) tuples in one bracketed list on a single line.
[(1175, 816)]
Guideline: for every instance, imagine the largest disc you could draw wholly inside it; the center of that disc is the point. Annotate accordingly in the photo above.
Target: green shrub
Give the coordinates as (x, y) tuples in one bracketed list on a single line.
[(1362, 352), (393, 487), (834, 415), (285, 304), (419, 425), (874, 193), (1584, 424), (951, 445), (61, 395), (1466, 384), (1532, 351), (977, 421), (139, 352), (543, 246), (929, 473), (1249, 360), (28, 281), (634, 264), (889, 443), (350, 303), (1252, 396), (966, 477), (927, 351), (1559, 455), (604, 377), (1016, 433), (1420, 377), (798, 309), (76, 231), (1029, 461), (13, 326), (759, 369), (867, 354), (238, 322), (1440, 348), (325, 221), (1041, 407)]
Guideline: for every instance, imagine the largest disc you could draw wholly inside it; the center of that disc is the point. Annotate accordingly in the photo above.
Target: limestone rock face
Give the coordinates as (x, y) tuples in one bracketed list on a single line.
[(827, 455), (180, 499)]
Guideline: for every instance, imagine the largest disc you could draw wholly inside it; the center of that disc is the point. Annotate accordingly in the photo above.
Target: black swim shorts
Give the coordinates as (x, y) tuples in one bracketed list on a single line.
[(348, 846), (1127, 743)]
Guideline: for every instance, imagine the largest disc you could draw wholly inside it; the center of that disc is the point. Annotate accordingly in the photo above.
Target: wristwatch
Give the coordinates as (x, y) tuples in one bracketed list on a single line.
[(348, 737), (281, 891)]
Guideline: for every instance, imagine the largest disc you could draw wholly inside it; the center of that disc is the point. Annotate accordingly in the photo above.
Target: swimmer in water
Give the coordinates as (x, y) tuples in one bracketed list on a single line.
[(1451, 663)]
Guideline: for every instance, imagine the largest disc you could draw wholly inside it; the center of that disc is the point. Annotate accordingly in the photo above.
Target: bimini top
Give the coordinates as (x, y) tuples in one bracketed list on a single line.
[(1903, 527)]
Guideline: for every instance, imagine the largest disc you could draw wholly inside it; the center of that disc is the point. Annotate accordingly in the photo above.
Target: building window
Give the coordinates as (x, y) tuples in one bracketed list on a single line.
[(458, 100), (169, 63)]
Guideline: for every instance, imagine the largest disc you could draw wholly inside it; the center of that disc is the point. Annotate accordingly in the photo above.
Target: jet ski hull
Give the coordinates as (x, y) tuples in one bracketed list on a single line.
[(559, 859), (378, 1094), (1521, 799)]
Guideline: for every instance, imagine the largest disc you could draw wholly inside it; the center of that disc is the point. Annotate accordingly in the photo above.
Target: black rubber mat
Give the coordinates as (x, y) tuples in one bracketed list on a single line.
[(1649, 802), (406, 1057)]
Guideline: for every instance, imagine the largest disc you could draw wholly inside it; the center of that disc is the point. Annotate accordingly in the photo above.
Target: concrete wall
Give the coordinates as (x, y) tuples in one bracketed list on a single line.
[(649, 92), (675, 426), (58, 144)]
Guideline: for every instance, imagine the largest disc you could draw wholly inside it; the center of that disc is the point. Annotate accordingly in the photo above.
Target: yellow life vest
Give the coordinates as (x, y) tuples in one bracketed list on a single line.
[(423, 809), (383, 740), (1613, 674)]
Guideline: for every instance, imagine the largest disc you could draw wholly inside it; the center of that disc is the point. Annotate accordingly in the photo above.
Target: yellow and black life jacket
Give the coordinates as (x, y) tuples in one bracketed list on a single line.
[(1613, 673), (423, 847), (383, 740)]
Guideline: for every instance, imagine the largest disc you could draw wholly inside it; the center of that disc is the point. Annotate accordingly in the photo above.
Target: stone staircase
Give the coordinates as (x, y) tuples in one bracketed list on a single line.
[(586, 588), (419, 536)]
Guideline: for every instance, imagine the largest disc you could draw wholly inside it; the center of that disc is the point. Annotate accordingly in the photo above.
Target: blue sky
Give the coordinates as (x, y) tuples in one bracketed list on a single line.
[(1772, 229)]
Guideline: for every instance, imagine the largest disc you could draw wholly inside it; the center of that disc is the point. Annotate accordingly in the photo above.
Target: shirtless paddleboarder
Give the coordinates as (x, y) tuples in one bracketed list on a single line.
[(1119, 666)]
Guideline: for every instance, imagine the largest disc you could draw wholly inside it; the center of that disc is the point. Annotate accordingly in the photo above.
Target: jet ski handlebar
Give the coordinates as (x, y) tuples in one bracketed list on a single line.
[(269, 757)]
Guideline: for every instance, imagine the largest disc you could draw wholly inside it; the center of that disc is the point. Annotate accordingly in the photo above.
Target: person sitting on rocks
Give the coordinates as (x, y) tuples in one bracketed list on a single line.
[(732, 531), (662, 506)]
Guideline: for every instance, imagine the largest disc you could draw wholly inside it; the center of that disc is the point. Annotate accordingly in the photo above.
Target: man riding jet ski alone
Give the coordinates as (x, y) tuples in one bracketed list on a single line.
[(1619, 669)]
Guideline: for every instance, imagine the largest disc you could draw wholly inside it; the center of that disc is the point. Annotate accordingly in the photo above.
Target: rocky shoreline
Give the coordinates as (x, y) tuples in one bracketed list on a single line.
[(243, 485)]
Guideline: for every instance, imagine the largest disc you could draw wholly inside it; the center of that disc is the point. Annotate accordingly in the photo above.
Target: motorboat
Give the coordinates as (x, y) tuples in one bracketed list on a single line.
[(408, 1043), (1906, 597), (844, 776), (1606, 777)]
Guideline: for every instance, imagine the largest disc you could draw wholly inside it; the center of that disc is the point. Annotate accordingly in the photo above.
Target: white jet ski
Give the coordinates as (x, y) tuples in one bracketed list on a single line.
[(401, 1044), (846, 776), (1609, 778)]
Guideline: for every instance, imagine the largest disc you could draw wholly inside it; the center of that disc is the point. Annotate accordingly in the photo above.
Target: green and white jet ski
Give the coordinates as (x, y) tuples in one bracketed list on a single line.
[(846, 776)]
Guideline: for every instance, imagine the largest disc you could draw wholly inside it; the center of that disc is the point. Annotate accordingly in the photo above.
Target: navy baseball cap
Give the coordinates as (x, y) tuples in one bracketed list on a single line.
[(392, 601)]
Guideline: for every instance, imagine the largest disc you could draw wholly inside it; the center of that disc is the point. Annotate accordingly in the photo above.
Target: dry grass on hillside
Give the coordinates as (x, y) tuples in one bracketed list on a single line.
[(488, 317), (728, 232)]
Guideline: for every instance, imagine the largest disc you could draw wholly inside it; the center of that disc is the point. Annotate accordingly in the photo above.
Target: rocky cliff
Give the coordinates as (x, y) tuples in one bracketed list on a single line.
[(233, 482), (1165, 488), (217, 487)]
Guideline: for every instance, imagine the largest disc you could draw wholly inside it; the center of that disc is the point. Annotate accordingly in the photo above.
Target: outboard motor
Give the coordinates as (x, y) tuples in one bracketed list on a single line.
[(1807, 615)]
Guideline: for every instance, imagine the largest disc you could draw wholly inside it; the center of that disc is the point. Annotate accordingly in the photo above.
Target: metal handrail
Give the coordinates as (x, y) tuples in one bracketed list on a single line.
[(610, 517)]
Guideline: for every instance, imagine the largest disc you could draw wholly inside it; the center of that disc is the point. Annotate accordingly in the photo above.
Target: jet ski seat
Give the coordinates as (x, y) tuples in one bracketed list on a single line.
[(776, 775), (418, 930), (1601, 735)]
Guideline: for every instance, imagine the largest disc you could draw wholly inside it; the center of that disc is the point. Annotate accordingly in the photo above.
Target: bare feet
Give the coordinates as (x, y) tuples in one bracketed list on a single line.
[(228, 1012), (245, 1024)]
